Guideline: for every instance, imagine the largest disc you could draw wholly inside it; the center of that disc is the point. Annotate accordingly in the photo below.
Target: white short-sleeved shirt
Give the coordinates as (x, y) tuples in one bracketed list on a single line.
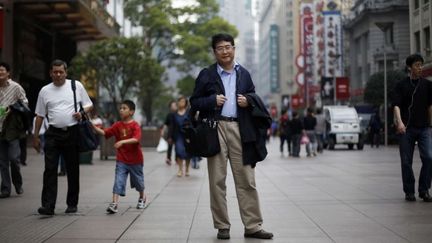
[(57, 102)]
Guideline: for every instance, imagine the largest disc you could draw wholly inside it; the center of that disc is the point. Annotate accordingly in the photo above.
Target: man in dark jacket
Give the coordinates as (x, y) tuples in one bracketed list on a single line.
[(12, 129), (225, 92), (412, 104)]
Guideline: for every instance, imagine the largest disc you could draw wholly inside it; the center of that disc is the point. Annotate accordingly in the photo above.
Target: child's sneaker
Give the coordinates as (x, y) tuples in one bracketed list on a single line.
[(141, 203), (112, 208)]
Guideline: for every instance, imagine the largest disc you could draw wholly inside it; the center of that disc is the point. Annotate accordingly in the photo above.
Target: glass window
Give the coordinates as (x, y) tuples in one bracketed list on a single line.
[(427, 40), (425, 1), (416, 4), (417, 41)]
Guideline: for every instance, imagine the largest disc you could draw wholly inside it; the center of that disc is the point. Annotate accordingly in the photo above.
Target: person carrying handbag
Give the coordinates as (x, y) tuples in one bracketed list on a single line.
[(56, 101), (224, 92)]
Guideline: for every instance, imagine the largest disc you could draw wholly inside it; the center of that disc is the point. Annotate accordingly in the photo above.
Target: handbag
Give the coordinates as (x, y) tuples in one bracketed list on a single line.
[(87, 139), (201, 137)]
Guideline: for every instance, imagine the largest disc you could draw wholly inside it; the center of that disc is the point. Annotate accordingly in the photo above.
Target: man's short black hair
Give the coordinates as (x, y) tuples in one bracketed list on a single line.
[(5, 65), (130, 104), (222, 37), (411, 59), (58, 62)]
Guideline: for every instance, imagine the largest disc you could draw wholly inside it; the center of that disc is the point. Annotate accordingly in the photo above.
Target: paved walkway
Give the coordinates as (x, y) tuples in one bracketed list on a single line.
[(339, 196)]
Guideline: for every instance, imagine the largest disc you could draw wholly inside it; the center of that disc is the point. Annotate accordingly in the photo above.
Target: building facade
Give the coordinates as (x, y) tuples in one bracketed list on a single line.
[(240, 14), (420, 16), (377, 30), (36, 32)]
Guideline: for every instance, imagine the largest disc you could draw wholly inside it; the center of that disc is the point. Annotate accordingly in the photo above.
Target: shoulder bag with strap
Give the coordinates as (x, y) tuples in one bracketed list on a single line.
[(87, 140)]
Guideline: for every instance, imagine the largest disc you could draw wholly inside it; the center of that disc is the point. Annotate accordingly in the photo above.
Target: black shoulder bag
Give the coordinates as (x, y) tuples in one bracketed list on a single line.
[(87, 139), (201, 136)]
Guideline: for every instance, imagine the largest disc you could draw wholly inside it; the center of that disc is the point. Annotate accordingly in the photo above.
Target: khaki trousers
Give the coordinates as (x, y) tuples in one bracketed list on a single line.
[(244, 180)]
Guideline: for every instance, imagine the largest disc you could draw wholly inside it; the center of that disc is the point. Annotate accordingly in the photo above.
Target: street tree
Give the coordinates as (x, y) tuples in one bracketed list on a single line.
[(374, 91), (178, 36), (186, 85), (120, 65)]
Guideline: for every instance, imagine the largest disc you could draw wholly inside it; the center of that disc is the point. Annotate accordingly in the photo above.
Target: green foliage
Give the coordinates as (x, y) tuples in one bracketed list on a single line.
[(186, 85), (374, 91), (179, 35), (120, 65)]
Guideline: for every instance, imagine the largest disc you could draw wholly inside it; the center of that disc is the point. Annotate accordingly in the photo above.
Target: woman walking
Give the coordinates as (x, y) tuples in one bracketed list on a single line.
[(178, 137)]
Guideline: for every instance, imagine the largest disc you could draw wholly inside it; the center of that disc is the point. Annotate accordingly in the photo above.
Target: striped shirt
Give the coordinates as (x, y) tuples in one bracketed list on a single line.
[(10, 94)]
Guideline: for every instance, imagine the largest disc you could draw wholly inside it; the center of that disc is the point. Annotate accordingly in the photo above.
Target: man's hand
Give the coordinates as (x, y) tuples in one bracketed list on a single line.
[(242, 101), (36, 143), (400, 128), (220, 99), (77, 116)]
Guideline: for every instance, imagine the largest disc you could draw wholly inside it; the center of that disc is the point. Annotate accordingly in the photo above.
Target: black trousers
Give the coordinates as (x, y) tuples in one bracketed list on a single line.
[(61, 142)]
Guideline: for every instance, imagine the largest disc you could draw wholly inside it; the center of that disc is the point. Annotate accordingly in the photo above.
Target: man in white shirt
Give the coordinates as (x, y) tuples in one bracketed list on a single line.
[(56, 101)]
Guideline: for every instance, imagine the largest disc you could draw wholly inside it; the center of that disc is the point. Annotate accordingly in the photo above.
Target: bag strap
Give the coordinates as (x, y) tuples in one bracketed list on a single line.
[(74, 94)]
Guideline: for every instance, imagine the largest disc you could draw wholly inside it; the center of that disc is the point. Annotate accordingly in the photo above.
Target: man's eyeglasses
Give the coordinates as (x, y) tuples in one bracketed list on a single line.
[(220, 49)]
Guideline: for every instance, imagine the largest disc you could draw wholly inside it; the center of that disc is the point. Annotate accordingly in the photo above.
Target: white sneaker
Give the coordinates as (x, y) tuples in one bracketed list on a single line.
[(112, 208), (141, 204)]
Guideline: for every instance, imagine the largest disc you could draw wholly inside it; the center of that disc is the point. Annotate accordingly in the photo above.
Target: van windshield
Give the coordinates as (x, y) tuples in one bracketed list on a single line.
[(343, 115)]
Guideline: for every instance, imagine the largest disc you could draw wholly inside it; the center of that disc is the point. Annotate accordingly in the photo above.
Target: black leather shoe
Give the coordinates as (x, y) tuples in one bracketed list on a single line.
[(410, 197), (45, 211), (425, 196), (261, 234), (71, 209), (4, 195), (223, 234), (19, 190)]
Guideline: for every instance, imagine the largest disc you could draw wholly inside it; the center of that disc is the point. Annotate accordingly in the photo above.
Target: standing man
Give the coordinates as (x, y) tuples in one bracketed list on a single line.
[(224, 92), (12, 129), (56, 101), (413, 111)]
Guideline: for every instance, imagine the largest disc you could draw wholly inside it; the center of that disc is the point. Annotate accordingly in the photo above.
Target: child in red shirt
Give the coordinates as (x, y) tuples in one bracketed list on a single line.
[(129, 158)]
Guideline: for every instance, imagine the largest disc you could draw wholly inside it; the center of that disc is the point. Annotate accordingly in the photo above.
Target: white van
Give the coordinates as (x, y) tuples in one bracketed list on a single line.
[(342, 127)]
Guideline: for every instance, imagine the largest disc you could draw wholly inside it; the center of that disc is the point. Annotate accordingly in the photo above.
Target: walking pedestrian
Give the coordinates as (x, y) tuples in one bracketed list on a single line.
[(296, 127), (309, 124), (375, 129), (56, 101), (320, 130), (224, 91), (127, 133), (12, 129), (412, 105), (180, 117), (168, 130), (283, 132)]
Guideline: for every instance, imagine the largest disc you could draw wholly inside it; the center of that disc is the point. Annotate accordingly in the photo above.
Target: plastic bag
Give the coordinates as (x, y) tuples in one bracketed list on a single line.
[(304, 139), (162, 146)]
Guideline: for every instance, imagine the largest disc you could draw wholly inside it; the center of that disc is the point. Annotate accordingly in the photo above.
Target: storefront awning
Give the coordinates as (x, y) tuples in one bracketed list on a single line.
[(81, 20)]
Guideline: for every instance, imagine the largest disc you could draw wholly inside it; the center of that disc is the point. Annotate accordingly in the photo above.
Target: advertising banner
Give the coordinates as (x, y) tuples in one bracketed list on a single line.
[(342, 88), (332, 44)]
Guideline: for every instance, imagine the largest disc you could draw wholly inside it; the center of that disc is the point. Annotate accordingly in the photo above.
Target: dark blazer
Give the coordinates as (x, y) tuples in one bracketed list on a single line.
[(207, 85)]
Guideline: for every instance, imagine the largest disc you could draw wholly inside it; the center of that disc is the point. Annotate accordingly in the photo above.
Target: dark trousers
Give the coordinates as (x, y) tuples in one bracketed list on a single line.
[(286, 138), (296, 144), (10, 158), (406, 148), (169, 151), (59, 142), (23, 148)]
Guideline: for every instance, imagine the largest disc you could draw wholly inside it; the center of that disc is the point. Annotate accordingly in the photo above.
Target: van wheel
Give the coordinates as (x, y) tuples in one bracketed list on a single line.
[(351, 146), (331, 143)]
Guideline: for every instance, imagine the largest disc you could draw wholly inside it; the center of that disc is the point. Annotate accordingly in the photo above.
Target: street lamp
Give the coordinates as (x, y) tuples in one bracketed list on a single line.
[(384, 26)]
